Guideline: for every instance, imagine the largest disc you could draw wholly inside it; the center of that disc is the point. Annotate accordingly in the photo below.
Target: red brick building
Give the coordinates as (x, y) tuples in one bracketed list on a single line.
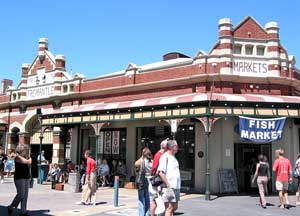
[(247, 72)]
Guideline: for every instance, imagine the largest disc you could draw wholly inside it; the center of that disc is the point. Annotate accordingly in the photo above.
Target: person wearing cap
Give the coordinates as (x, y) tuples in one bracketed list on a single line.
[(153, 192), (168, 169)]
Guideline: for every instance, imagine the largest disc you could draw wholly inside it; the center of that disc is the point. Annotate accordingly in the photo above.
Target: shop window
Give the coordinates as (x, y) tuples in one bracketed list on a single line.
[(151, 137), (111, 145), (14, 96), (2, 136), (19, 96), (65, 89), (15, 136), (237, 49), (249, 50), (260, 50)]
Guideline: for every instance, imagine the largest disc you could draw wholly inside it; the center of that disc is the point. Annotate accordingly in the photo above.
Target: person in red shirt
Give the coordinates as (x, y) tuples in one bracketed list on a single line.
[(89, 189), (283, 168), (153, 193)]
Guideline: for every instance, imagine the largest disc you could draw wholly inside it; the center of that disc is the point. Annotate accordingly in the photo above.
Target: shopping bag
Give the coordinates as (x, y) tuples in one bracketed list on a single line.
[(160, 205)]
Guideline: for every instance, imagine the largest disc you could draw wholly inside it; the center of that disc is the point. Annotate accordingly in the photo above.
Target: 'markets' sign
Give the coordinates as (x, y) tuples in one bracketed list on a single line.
[(250, 68)]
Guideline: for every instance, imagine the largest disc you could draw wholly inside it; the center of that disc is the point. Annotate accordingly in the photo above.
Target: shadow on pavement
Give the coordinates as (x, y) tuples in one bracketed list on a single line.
[(3, 212), (178, 213), (101, 203)]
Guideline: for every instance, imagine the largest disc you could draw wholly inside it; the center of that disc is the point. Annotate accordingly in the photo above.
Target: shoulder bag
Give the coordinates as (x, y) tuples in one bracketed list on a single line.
[(156, 179)]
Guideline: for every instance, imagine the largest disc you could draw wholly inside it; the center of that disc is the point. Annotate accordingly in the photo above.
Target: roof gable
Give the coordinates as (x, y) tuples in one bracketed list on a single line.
[(249, 28), (48, 63)]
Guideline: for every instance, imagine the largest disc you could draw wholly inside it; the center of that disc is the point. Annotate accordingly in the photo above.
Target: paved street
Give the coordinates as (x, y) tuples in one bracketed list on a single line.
[(45, 202)]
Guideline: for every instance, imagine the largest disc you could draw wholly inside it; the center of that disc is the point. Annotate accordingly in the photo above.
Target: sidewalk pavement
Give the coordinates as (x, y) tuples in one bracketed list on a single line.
[(43, 201)]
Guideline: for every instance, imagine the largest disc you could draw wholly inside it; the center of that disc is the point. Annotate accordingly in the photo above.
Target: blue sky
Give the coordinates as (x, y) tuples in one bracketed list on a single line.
[(100, 37)]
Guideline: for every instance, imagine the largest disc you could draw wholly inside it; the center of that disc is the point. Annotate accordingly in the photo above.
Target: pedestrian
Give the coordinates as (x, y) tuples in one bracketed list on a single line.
[(168, 169), (144, 168), (262, 173), (89, 188), (54, 171), (22, 179), (297, 179), (155, 190), (283, 168), (104, 173), (3, 159), (43, 163)]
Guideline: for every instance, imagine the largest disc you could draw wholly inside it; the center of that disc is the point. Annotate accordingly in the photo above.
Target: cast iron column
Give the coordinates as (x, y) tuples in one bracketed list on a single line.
[(207, 174)]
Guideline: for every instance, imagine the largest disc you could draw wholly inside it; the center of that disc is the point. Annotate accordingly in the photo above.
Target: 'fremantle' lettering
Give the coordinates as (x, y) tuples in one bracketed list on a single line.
[(40, 92), (250, 67), (261, 130)]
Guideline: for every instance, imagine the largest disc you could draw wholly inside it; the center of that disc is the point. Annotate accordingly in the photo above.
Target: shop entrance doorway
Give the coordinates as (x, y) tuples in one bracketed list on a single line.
[(245, 164), (35, 149)]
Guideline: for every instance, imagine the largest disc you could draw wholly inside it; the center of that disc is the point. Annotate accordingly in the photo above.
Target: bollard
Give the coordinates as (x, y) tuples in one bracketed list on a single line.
[(116, 193)]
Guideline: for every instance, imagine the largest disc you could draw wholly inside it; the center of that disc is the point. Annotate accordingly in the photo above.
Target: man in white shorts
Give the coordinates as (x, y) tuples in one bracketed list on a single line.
[(169, 172)]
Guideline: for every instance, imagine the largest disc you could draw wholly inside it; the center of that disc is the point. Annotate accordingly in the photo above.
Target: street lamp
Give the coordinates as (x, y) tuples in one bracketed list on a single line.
[(207, 135), (40, 173)]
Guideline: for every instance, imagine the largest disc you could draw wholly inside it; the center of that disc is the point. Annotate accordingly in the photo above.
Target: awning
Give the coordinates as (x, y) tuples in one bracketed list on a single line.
[(180, 99), (2, 122)]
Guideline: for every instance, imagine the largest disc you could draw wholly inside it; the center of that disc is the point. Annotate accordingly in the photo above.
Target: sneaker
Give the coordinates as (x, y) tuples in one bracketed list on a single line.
[(297, 203), (2, 181)]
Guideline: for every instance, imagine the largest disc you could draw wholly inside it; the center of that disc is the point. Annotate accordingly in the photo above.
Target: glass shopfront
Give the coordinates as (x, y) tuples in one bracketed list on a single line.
[(185, 137), (111, 145)]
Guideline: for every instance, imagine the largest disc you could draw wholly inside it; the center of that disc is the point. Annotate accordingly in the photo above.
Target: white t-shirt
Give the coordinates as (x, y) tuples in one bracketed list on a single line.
[(170, 166)]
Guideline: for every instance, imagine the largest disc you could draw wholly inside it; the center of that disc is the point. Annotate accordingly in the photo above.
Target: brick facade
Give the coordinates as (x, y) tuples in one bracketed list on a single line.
[(178, 74)]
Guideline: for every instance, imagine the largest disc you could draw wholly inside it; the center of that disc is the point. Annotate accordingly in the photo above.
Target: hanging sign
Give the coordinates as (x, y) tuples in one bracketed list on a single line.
[(100, 147), (174, 125), (115, 142), (107, 142), (261, 130)]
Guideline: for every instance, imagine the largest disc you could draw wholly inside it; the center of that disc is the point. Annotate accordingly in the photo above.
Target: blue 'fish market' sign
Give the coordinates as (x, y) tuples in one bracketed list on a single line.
[(261, 130)]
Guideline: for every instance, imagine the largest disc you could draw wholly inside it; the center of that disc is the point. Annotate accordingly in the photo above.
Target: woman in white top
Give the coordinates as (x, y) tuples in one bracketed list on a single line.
[(104, 172)]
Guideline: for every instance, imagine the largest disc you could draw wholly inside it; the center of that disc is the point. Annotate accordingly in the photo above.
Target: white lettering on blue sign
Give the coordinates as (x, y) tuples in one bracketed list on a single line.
[(261, 130), (262, 124)]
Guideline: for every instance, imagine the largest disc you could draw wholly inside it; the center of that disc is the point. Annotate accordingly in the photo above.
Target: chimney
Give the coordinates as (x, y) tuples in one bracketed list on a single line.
[(5, 83), (43, 44), (272, 29), (25, 68), (60, 62)]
